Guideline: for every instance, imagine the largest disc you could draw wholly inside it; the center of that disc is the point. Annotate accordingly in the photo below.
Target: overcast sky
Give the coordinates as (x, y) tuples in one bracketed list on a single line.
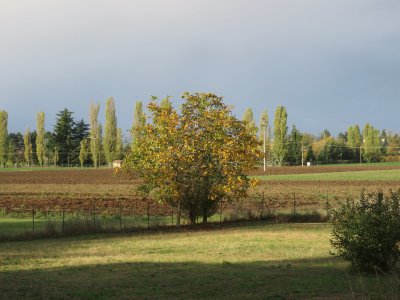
[(331, 63)]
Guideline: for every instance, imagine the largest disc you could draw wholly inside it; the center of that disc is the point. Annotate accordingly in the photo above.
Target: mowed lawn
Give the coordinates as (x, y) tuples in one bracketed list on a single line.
[(244, 261), (372, 175)]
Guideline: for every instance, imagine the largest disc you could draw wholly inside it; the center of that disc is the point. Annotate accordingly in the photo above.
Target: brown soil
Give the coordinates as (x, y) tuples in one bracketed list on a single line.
[(84, 190), (89, 176)]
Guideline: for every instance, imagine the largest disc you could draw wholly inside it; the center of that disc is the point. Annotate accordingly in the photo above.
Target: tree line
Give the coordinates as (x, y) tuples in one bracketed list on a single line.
[(281, 147), (71, 142), (75, 142)]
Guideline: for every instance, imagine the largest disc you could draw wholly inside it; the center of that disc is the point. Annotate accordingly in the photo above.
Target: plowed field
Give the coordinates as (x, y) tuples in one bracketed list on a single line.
[(101, 189)]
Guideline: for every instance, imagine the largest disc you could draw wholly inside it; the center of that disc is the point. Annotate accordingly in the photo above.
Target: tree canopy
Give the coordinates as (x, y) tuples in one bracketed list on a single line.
[(195, 158)]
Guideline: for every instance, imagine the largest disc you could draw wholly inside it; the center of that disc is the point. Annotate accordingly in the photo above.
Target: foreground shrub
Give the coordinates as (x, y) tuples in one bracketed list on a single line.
[(367, 232)]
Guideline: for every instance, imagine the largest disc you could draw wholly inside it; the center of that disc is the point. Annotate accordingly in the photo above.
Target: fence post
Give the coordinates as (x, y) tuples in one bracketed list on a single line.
[(120, 215), (148, 213), (33, 218), (63, 221), (220, 211), (262, 205), (294, 203), (94, 216)]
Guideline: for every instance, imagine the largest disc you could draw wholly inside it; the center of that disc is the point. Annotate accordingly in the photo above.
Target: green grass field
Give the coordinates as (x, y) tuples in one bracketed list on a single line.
[(373, 175), (244, 261), (376, 164)]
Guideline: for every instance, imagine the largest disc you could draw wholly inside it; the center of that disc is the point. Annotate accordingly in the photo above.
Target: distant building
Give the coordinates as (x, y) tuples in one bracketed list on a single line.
[(117, 163)]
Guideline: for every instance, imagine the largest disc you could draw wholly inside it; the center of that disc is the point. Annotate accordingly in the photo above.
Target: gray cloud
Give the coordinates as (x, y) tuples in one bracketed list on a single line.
[(332, 63)]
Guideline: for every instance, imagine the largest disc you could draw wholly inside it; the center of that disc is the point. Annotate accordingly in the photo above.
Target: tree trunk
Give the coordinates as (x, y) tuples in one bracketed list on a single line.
[(178, 214), (192, 217), (204, 218)]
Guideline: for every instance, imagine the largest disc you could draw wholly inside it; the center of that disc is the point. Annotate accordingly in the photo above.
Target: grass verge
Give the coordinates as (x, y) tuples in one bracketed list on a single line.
[(250, 260), (374, 175)]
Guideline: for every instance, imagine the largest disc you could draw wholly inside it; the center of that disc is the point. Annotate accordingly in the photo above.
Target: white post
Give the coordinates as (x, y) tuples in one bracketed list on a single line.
[(265, 133)]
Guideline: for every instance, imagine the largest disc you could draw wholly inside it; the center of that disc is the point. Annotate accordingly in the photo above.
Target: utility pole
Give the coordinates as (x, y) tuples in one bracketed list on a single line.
[(265, 133), (302, 153), (264, 128)]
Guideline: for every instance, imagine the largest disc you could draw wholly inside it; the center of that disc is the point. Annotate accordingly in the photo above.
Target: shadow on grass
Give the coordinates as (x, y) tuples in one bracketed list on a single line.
[(319, 278), (10, 230)]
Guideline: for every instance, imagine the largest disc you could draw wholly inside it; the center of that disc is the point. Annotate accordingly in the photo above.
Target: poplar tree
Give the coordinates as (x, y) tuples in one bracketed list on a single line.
[(265, 133), (354, 140), (3, 137), (110, 131), (280, 134), (101, 150), (28, 147), (248, 119), (119, 146), (94, 132), (40, 147), (371, 144), (139, 121)]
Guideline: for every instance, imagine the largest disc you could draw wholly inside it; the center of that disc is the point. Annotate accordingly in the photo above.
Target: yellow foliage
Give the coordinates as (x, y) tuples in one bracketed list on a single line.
[(196, 156)]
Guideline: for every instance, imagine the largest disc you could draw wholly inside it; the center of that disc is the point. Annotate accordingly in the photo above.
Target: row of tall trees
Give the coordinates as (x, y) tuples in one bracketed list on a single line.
[(75, 142), (71, 142), (295, 147)]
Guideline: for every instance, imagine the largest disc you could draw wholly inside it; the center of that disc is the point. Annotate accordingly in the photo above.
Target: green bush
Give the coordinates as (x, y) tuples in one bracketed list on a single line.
[(367, 232)]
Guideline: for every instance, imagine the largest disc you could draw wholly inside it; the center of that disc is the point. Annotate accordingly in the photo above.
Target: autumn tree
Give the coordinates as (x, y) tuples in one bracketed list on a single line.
[(40, 146), (3, 137), (94, 133), (194, 159), (110, 131), (139, 121), (165, 102), (280, 135)]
